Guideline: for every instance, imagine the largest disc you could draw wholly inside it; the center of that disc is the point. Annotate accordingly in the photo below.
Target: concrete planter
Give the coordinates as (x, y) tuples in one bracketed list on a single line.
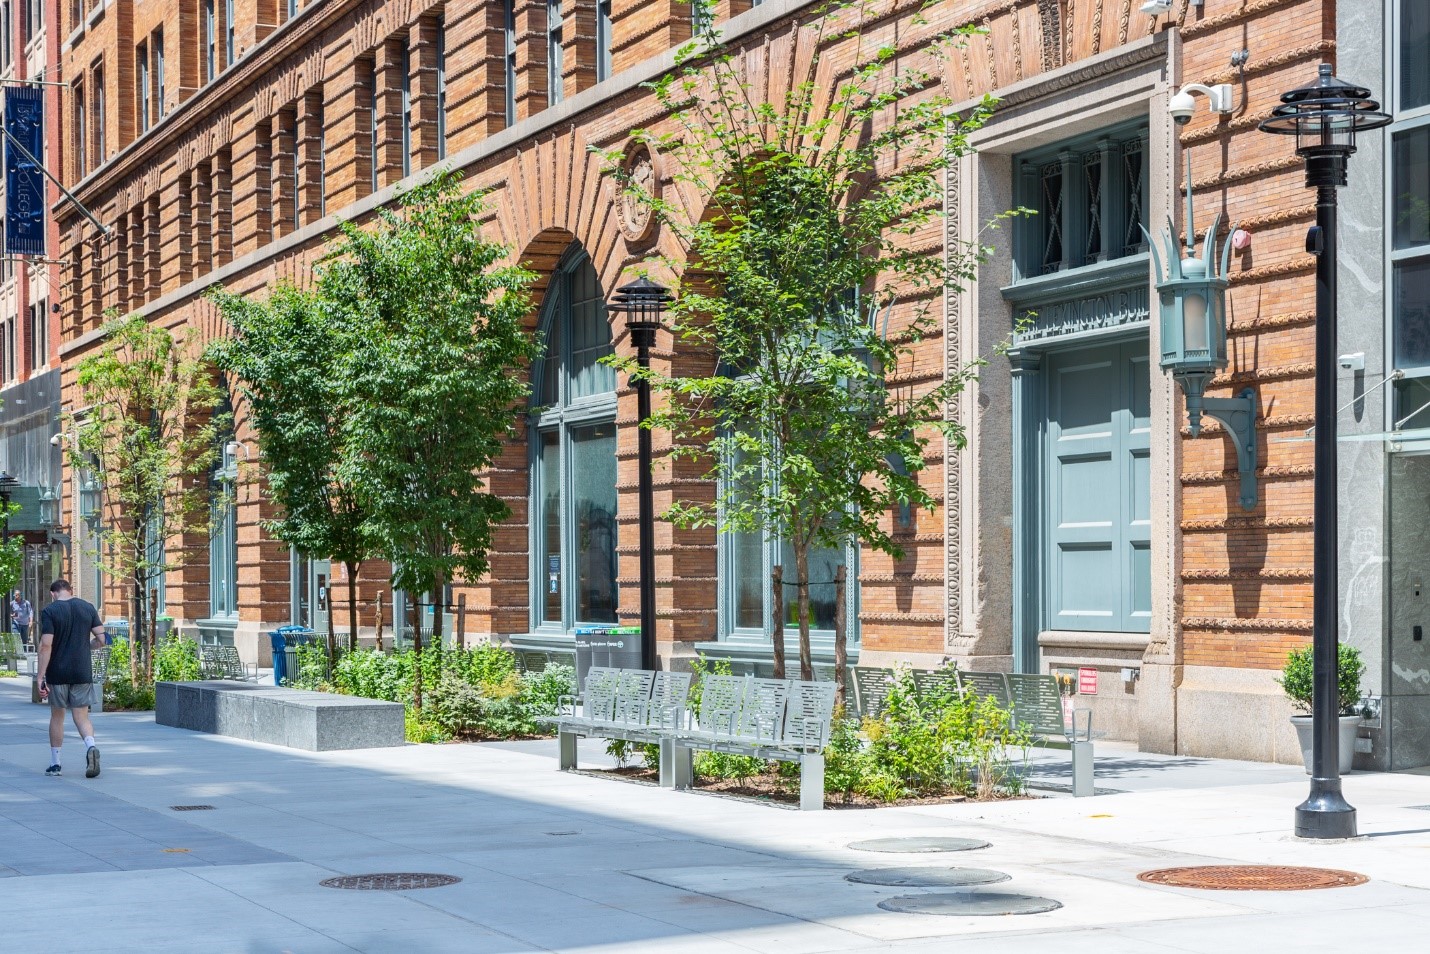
[(1349, 725)]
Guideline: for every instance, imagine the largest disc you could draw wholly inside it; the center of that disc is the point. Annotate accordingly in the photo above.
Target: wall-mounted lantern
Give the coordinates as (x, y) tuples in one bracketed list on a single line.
[(89, 498), (1193, 310), (49, 508)]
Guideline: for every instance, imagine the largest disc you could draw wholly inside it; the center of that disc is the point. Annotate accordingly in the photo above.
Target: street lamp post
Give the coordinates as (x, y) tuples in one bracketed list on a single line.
[(7, 487), (1325, 117), (643, 301)]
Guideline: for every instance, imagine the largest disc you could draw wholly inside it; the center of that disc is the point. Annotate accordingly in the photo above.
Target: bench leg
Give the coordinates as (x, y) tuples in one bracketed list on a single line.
[(667, 763), (1082, 769), (682, 766), (566, 741), (811, 783)]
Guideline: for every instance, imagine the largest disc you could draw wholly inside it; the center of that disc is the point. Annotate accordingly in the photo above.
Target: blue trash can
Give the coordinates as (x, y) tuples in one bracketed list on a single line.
[(282, 640)]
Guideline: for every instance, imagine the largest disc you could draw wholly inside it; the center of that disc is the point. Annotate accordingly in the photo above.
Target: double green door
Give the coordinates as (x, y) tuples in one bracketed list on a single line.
[(1096, 527)]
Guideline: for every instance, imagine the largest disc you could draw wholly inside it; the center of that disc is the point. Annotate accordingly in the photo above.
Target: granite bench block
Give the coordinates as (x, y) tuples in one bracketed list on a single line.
[(313, 721)]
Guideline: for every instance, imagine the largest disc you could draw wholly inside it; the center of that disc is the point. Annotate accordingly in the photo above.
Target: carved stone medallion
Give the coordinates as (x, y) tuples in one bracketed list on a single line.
[(641, 183)]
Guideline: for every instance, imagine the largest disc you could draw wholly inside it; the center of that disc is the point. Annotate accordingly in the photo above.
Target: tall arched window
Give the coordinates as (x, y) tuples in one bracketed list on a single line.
[(223, 533), (573, 455)]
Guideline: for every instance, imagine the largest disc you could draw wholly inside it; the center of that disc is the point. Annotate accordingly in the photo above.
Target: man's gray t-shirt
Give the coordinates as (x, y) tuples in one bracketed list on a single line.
[(70, 621)]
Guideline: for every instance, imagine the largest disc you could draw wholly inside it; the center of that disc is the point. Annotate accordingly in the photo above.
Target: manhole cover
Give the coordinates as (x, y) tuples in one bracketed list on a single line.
[(972, 904), (191, 808), (919, 845), (1253, 878), (390, 881), (926, 877)]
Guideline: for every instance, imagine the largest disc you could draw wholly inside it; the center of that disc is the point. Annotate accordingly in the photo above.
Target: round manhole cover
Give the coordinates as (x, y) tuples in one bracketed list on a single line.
[(926, 877), (972, 904), (919, 845), (1253, 878), (390, 881)]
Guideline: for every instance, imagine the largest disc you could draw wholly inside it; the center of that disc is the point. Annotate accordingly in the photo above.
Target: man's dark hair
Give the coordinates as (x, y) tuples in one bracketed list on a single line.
[(61, 584)]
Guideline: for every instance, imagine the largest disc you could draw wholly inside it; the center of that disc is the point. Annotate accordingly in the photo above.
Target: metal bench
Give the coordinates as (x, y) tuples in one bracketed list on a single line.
[(871, 690), (1037, 706), (929, 683), (990, 684), (634, 705), (223, 662), (787, 720)]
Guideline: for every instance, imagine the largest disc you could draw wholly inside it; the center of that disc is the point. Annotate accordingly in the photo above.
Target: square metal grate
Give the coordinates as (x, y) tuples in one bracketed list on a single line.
[(191, 808)]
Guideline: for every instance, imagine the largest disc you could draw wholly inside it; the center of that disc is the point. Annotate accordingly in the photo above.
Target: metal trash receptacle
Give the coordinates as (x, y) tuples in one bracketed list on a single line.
[(608, 646), (285, 661)]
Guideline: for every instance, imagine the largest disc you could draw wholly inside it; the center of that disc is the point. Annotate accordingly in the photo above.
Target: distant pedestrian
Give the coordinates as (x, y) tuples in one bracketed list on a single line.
[(69, 629), (21, 614)]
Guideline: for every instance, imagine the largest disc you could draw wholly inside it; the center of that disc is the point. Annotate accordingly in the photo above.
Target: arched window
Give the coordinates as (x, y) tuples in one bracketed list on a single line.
[(573, 455)]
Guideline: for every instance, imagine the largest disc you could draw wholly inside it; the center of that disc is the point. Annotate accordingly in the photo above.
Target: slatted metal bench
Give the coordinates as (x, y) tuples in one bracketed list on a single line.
[(634, 705), (223, 662), (871, 690), (1037, 706), (787, 720)]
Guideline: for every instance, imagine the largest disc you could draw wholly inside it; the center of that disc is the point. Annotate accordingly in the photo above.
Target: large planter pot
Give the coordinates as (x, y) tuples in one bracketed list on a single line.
[(1349, 725)]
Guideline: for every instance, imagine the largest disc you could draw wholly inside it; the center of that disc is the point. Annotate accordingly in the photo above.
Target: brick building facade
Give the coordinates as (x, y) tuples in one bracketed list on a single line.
[(224, 139)]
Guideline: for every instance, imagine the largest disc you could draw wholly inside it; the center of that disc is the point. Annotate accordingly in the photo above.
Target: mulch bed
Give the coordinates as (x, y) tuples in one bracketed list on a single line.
[(770, 787)]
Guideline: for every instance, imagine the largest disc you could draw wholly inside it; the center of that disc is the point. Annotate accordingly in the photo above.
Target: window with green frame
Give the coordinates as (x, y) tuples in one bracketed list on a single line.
[(1090, 199), (1409, 210), (572, 437)]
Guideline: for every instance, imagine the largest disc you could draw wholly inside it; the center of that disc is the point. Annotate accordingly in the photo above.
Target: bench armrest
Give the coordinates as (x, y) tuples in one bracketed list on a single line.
[(1074, 734)]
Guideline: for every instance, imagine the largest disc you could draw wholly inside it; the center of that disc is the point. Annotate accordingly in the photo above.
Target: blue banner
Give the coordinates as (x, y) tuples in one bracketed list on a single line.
[(24, 179)]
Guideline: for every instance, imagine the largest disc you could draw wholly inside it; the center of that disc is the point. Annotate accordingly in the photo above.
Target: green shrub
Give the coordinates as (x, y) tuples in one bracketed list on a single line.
[(374, 675), (421, 730), (740, 768), (9, 674), (120, 693), (455, 705), (176, 659), (1297, 677)]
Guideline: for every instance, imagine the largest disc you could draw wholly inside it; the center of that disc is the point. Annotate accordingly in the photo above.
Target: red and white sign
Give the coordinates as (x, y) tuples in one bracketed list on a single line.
[(1087, 682)]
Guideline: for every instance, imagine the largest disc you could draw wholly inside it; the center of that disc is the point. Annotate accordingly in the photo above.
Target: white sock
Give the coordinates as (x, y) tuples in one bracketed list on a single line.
[(54, 755), (88, 742)]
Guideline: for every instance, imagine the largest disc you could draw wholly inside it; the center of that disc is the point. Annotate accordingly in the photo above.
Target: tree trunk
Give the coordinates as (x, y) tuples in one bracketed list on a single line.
[(379, 621), (777, 584), (841, 647), (462, 621), (417, 656), (352, 608), (138, 665), (801, 562)]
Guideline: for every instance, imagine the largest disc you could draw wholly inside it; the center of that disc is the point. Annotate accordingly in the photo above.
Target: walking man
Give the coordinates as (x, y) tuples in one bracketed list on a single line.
[(69, 628), (21, 614)]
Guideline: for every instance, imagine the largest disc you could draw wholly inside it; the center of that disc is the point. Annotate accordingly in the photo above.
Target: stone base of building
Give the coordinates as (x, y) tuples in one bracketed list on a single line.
[(1235, 714)]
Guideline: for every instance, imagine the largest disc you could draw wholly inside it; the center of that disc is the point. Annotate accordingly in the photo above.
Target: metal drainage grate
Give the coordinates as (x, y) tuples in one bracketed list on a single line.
[(191, 808), (1253, 878), (1420, 808), (390, 881)]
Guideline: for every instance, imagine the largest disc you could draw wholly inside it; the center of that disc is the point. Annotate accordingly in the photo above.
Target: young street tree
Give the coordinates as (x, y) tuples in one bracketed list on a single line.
[(286, 352), (432, 379), (150, 431), (810, 277)]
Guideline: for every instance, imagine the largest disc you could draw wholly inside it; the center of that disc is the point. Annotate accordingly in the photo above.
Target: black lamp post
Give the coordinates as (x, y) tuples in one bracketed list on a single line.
[(1325, 117), (643, 301), (7, 487)]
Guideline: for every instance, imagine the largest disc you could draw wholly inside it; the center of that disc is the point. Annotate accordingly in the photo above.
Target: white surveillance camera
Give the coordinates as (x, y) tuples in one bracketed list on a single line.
[(1181, 106), (56, 440), (1353, 362), (1155, 8)]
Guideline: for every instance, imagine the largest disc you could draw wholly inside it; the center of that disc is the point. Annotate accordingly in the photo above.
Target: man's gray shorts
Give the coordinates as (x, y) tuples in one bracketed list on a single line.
[(75, 696)]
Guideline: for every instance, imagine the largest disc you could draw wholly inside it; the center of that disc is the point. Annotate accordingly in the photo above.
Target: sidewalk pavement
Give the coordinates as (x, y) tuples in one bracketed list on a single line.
[(553, 861)]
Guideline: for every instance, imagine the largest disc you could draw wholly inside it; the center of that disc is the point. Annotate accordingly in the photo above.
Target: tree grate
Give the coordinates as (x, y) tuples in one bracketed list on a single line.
[(390, 881), (191, 808), (1253, 878)]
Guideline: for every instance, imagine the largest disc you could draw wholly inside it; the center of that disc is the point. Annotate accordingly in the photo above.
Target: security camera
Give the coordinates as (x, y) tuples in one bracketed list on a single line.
[(1353, 362), (56, 440), (1155, 8), (1181, 106)]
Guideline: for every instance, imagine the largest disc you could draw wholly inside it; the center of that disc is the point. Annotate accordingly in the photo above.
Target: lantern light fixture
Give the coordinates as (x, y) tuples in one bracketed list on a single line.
[(1192, 292)]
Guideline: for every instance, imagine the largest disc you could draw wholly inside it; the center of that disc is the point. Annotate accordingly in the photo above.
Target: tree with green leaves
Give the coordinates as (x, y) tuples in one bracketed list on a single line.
[(432, 378), (808, 286), (286, 352), (149, 429)]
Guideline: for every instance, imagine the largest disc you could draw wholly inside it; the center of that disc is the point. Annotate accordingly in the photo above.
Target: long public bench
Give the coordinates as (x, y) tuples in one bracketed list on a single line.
[(296, 718), (782, 719)]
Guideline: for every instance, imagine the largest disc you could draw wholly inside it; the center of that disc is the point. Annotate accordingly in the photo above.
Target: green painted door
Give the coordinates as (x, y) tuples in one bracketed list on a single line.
[(1097, 531)]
